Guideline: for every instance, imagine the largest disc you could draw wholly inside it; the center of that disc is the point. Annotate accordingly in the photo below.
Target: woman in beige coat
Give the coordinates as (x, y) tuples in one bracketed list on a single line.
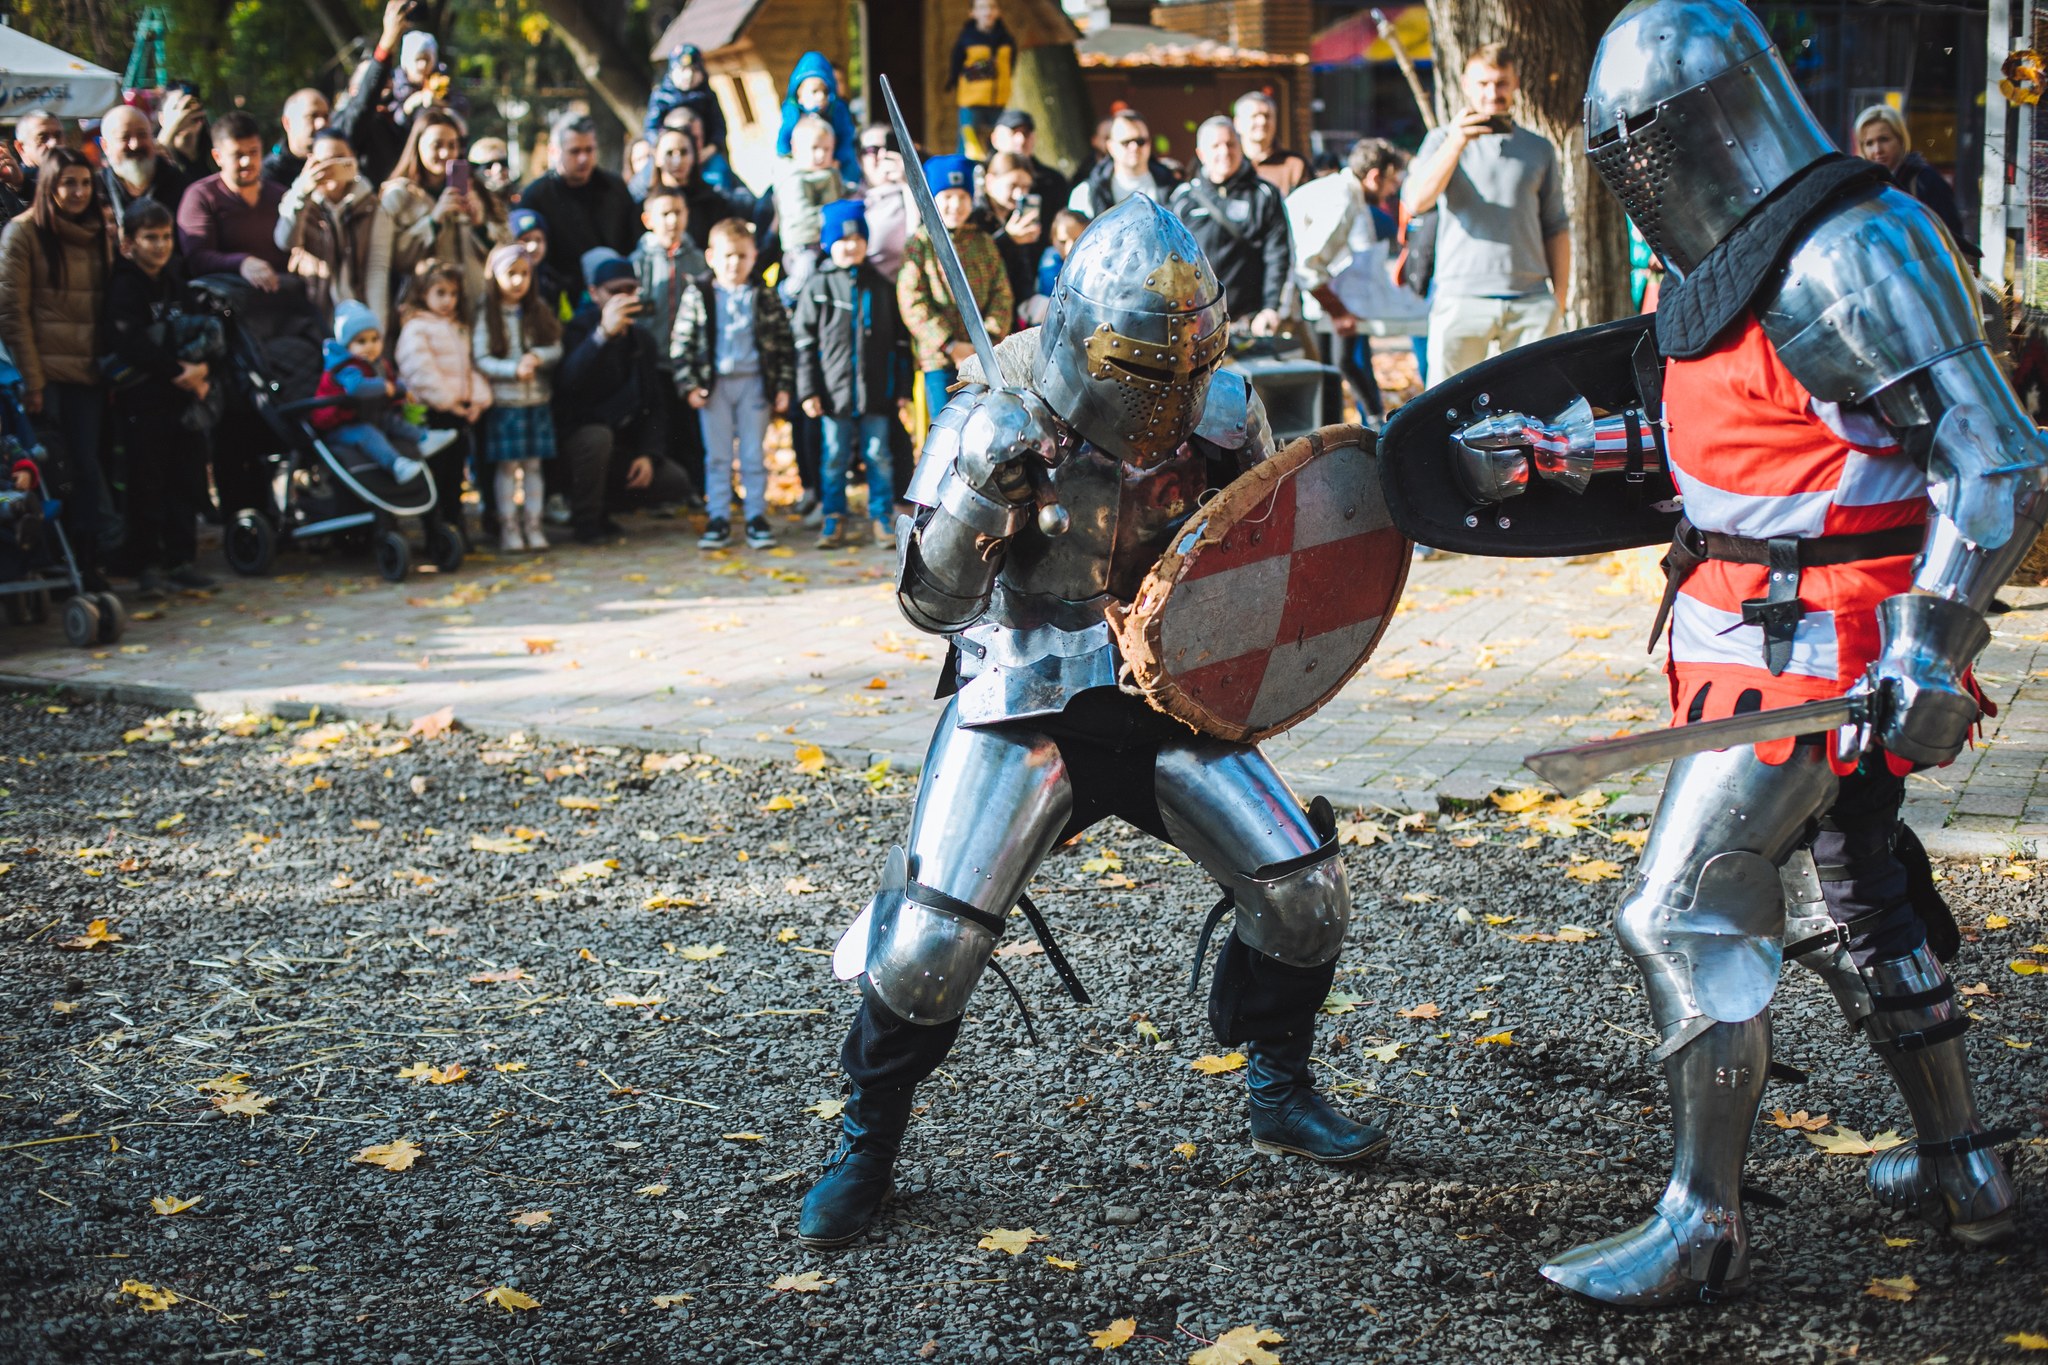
[(424, 217), (54, 263)]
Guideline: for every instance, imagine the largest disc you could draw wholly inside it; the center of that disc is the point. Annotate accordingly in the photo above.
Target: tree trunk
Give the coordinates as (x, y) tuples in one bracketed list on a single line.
[(620, 76), (1050, 89), (1552, 42)]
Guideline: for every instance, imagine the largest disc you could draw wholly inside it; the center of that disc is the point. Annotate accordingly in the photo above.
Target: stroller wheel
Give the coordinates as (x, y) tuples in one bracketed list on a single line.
[(394, 556), (113, 617), (81, 621), (445, 546), (250, 544)]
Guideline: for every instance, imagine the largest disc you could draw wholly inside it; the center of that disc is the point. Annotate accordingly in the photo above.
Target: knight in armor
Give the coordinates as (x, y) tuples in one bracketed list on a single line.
[(1857, 479), (1043, 496)]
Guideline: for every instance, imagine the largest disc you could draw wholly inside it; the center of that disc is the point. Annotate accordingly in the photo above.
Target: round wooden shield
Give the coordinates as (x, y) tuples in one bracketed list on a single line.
[(1272, 595)]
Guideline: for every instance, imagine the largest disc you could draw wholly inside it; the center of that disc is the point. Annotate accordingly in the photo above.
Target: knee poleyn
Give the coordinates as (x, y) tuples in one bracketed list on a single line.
[(1712, 949), (924, 962), (1298, 915)]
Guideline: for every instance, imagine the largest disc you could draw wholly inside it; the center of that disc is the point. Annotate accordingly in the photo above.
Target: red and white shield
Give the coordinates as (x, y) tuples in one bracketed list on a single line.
[(1273, 595)]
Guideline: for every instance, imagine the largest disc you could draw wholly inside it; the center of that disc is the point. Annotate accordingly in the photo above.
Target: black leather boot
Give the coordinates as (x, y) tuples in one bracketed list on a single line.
[(857, 1176), (1289, 1116)]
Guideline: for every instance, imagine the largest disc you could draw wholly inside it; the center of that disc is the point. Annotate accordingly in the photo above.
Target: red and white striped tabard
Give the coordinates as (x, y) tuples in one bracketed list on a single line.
[(1756, 455)]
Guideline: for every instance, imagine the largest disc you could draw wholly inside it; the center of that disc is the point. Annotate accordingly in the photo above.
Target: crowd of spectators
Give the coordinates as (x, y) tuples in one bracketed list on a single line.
[(597, 339)]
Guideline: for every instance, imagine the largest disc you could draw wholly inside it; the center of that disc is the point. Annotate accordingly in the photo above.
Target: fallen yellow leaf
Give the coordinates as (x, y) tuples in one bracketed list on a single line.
[(1515, 802), (740, 1137), (652, 1191), (805, 1282), (633, 1002), (533, 1218), (2024, 968), (1184, 1150), (1505, 1038), (508, 1066), (810, 759), (1212, 1065), (1057, 1264), (1116, 1334), (494, 843), (697, 952), (1899, 1290), (2028, 1341), (1899, 1241), (827, 1109), (1997, 922), (249, 1105), (595, 870), (776, 803), (509, 1299), (148, 1296), (1012, 1240), (433, 724), (1594, 870), (392, 1156), (1244, 1345), (170, 1204), (224, 1085), (1849, 1142), (1385, 1052), (1800, 1122), (95, 934), (579, 803), (1426, 1011)]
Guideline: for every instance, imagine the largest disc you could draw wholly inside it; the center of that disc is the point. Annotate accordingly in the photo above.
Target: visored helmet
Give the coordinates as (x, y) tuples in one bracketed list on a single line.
[(1692, 120), (1136, 325)]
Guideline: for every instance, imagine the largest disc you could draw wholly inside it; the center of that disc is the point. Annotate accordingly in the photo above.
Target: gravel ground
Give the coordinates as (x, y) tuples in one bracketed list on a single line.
[(302, 911)]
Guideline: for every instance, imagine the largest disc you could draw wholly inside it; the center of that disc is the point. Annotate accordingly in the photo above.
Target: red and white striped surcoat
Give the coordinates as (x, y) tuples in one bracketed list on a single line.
[(1755, 454)]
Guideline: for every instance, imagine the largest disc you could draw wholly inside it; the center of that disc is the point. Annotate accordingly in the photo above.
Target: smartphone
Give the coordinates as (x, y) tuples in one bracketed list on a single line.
[(1500, 123), (458, 176), (1030, 203)]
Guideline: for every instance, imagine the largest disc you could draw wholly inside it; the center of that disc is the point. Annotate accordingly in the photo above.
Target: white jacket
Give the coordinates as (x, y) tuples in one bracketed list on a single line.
[(1335, 245), (435, 364)]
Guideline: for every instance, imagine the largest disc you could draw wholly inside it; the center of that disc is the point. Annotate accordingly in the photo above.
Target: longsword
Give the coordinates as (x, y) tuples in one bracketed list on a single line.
[(1577, 768)]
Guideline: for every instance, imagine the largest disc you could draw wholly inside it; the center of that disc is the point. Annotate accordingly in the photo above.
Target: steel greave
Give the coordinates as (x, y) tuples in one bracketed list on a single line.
[(1970, 1191), (1694, 1248)]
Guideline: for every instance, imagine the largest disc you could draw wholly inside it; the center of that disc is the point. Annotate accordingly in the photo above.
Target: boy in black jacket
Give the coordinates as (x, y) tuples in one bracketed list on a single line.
[(611, 414), (852, 371), (155, 400)]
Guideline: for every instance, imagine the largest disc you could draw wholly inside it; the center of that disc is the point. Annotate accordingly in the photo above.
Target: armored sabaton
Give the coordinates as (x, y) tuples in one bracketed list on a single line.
[(1042, 501), (1858, 479)]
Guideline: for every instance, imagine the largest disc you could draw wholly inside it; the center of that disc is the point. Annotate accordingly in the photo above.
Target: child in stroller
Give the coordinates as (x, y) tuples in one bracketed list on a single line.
[(35, 555), (281, 478), (368, 424)]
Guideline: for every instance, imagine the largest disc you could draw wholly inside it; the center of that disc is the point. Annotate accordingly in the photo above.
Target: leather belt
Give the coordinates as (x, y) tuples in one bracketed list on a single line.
[(1779, 611)]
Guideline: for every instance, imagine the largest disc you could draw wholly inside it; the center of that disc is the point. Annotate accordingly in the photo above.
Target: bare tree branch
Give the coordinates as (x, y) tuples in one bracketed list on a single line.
[(619, 76)]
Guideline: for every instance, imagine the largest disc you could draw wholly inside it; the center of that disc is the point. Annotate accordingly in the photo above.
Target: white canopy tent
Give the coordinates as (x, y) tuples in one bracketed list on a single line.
[(34, 75)]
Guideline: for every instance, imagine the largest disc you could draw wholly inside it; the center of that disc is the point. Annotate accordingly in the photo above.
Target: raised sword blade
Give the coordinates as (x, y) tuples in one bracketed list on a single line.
[(942, 244), (1575, 769)]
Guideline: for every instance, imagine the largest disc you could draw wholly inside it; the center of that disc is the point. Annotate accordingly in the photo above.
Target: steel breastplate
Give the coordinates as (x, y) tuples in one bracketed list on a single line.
[(1044, 638)]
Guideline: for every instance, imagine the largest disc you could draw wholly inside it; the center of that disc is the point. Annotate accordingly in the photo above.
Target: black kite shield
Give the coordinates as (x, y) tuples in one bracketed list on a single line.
[(1437, 500)]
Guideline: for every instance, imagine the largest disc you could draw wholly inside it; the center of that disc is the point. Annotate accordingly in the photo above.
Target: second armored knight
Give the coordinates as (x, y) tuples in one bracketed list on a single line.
[(1042, 501)]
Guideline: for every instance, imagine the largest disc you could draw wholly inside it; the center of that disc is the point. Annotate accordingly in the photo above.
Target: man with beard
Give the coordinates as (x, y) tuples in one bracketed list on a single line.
[(133, 166), (227, 223)]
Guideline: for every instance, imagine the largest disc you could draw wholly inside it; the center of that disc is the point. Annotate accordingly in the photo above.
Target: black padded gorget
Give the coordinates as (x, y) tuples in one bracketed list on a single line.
[(1694, 312)]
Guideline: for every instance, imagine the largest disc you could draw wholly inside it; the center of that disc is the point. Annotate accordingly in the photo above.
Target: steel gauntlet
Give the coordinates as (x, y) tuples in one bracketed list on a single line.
[(1496, 454), (1923, 709)]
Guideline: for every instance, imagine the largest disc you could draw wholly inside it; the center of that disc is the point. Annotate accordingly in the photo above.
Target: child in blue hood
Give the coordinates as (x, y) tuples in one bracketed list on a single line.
[(814, 89), (369, 423)]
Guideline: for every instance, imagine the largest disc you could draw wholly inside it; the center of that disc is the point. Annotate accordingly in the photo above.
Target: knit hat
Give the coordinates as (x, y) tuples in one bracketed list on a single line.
[(523, 221), (603, 266), (351, 320), (686, 55), (415, 42), (949, 173), (500, 255), (838, 219)]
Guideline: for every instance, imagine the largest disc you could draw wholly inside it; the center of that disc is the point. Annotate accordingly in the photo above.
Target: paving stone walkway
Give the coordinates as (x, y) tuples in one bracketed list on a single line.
[(653, 643)]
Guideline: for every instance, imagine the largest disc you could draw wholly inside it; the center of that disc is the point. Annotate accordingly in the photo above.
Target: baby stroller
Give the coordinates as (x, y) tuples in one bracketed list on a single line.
[(313, 492), (35, 554)]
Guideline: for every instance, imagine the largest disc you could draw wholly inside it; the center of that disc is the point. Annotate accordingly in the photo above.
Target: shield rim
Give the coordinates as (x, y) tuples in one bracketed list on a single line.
[(1139, 626)]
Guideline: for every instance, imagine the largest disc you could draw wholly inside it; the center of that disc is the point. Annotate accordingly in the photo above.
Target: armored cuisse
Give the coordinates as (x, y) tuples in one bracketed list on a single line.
[(1111, 423)]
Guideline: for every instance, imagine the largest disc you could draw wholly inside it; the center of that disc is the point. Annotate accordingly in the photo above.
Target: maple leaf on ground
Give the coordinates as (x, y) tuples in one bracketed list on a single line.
[(1505, 1038), (1594, 870), (170, 1203), (1147, 1030), (1363, 833), (447, 1075), (1012, 1240), (652, 1191), (2027, 1341), (698, 952), (1106, 861), (1244, 1345), (494, 843), (224, 1085), (95, 934), (1184, 1150), (827, 1109), (1029, 947), (1057, 1264), (539, 645), (148, 1297), (508, 1066), (1800, 1122), (778, 803), (595, 870), (491, 978), (508, 1298), (579, 803), (1341, 1002), (798, 886), (1899, 1290), (1426, 1011), (249, 1105), (1385, 1053), (1212, 1065), (1997, 922), (1116, 1334), (1515, 802), (533, 1218), (1849, 1142), (433, 724), (1900, 1241), (672, 1300), (805, 1282), (392, 1156), (810, 760)]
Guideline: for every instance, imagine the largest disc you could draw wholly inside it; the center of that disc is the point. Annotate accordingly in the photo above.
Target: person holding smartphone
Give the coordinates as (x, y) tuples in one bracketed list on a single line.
[(1504, 249), (611, 413), (1012, 213)]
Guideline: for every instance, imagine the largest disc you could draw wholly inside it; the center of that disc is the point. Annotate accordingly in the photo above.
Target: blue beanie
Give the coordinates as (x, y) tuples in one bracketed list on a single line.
[(835, 220), (351, 320), (523, 221), (603, 266), (949, 173)]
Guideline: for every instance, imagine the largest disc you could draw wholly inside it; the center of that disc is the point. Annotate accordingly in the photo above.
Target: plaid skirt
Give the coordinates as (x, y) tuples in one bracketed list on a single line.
[(519, 434)]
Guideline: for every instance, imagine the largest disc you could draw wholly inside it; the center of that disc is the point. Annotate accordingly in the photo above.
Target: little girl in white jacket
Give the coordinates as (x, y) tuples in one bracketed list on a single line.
[(436, 366)]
